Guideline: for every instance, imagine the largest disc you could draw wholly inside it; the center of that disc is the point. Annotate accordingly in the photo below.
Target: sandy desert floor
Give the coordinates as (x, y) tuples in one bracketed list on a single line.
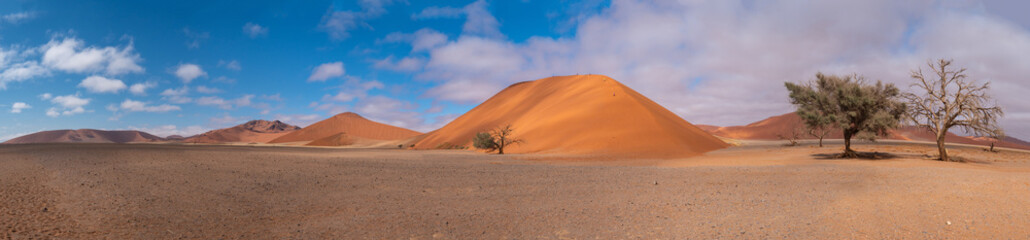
[(154, 191)]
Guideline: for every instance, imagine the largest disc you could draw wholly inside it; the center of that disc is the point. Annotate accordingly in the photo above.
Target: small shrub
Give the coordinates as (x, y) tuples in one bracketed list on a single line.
[(484, 141)]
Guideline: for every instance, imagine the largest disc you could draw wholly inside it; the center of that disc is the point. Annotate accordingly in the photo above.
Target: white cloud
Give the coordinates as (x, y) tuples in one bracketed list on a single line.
[(18, 106), (421, 40), (177, 95), (339, 23), (231, 65), (243, 101), (353, 89), (137, 106), (478, 20), (21, 72), (326, 71), (69, 105), (253, 30), (207, 90), (70, 101), (18, 17), (72, 55), (724, 62), (188, 71), (214, 101), (406, 64), (435, 12), (169, 130), (300, 120), (140, 89), (46, 96), (98, 84)]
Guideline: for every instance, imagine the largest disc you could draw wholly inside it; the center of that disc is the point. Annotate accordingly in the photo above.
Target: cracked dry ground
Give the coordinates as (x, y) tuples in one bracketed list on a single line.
[(149, 191)]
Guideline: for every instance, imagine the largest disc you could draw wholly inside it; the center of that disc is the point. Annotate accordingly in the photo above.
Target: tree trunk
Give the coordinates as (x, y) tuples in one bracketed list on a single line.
[(848, 153), (940, 146), (820, 141)]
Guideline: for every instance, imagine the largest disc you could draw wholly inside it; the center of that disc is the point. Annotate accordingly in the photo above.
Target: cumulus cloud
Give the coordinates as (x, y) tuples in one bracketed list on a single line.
[(71, 55), (188, 71), (169, 130), (67, 105), (140, 89), (253, 30), (18, 106), (326, 71), (98, 84), (724, 62), (20, 72), (137, 106), (338, 24)]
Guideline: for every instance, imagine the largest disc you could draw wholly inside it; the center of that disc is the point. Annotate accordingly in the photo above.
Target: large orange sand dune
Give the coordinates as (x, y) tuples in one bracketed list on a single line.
[(583, 114), (352, 124), (256, 131)]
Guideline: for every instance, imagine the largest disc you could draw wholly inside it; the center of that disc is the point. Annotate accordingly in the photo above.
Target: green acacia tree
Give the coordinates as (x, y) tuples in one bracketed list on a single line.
[(849, 103), (485, 141)]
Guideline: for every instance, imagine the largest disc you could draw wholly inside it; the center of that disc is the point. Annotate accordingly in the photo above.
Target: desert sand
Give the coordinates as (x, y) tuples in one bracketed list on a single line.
[(581, 114), (349, 123), (759, 190), (256, 131), (86, 135)]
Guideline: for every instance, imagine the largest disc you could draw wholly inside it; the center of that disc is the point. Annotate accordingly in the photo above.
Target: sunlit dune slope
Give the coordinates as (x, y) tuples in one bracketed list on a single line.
[(583, 114)]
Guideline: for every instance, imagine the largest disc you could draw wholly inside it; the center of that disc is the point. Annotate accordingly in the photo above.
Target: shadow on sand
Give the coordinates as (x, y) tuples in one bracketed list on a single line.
[(861, 156)]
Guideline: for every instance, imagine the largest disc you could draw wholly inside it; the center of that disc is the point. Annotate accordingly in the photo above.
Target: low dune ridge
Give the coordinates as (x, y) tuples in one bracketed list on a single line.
[(352, 124), (86, 136), (256, 131), (581, 114), (774, 127)]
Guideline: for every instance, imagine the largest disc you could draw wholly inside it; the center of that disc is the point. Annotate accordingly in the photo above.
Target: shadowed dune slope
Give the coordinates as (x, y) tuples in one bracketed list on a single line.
[(583, 114), (350, 123), (256, 131), (87, 136), (773, 127)]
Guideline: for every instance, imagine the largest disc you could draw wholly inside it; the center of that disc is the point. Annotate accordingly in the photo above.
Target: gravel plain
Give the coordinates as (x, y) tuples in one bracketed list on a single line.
[(161, 191)]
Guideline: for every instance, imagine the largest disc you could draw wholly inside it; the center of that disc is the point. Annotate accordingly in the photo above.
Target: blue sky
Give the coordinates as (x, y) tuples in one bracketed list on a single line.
[(184, 67)]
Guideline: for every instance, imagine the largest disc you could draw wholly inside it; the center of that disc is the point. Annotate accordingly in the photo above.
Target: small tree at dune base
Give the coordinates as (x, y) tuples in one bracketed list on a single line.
[(504, 138), (849, 103)]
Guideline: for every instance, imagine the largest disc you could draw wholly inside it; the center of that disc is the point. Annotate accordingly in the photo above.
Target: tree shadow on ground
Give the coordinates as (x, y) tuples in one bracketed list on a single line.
[(861, 156)]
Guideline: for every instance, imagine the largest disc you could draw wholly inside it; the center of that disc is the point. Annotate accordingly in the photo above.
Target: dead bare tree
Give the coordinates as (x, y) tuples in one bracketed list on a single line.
[(504, 138), (819, 132), (792, 134), (949, 100)]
